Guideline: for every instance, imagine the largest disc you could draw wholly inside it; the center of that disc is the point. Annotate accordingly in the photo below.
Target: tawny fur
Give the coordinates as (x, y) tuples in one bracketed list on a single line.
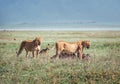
[(30, 46), (76, 47)]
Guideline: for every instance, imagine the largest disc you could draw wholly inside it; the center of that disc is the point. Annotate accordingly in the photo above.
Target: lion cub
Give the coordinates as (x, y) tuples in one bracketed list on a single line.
[(44, 51), (86, 57)]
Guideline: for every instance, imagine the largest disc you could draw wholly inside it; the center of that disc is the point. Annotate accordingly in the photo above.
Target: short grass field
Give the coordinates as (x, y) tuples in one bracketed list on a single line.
[(102, 68)]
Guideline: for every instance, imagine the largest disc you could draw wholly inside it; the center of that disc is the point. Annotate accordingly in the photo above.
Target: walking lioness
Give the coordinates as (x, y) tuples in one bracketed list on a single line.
[(30, 45)]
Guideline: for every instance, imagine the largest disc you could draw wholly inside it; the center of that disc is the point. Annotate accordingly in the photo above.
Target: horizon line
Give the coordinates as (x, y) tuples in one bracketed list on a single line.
[(61, 29)]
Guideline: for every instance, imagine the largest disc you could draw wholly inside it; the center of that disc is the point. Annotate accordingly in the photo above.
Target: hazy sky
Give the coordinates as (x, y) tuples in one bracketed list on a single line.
[(53, 11)]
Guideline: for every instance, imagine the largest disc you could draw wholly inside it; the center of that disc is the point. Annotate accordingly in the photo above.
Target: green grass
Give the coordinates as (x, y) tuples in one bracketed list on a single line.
[(103, 68)]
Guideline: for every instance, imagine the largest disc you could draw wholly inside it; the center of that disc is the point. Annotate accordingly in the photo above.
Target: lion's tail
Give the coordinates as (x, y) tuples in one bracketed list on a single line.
[(21, 48)]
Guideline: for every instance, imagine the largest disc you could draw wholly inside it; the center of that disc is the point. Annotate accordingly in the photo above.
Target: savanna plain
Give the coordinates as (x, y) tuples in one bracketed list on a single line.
[(102, 68)]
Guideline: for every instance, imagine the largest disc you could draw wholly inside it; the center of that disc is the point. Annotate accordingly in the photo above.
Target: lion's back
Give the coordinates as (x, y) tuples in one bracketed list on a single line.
[(61, 45)]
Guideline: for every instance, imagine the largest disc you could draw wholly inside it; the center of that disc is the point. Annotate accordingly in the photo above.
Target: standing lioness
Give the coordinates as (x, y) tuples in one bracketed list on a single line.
[(30, 46), (76, 47)]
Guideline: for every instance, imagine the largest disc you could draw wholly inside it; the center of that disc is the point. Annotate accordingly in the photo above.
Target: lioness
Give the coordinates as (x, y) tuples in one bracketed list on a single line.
[(76, 47), (30, 45)]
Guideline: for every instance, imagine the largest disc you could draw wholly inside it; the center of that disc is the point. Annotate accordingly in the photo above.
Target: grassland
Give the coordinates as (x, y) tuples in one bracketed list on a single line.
[(103, 68)]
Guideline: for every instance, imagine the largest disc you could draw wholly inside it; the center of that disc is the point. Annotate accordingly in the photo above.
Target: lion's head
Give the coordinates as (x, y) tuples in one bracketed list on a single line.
[(86, 44), (37, 41)]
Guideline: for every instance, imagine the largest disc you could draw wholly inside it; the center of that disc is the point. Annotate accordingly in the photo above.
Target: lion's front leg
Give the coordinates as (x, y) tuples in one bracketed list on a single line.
[(37, 52), (57, 54), (26, 53), (80, 54), (33, 54)]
